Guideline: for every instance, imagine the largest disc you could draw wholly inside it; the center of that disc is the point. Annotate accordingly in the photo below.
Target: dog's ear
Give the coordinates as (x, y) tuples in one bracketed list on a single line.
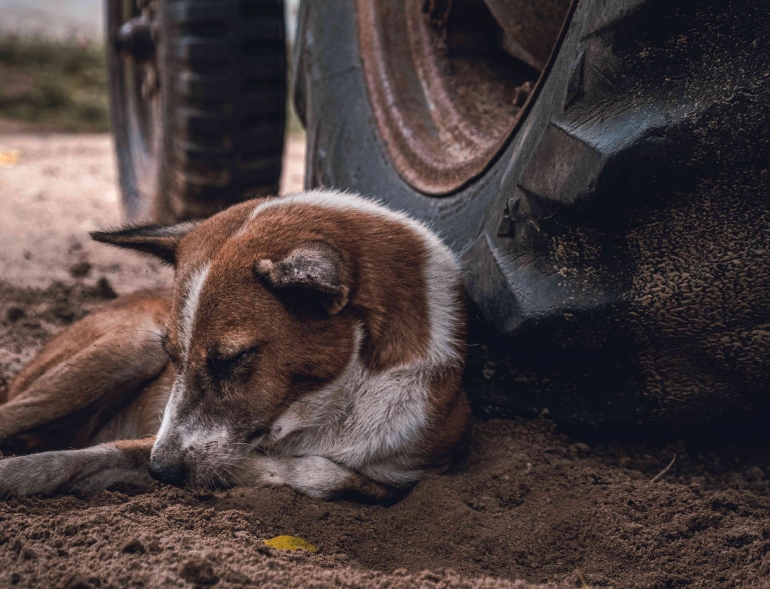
[(156, 240), (313, 267)]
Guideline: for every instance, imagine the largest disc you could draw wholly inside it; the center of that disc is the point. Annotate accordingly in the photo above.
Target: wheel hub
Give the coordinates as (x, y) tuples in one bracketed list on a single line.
[(448, 81), (135, 38)]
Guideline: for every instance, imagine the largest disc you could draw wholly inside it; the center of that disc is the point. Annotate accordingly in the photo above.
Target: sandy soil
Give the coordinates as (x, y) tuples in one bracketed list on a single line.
[(530, 502)]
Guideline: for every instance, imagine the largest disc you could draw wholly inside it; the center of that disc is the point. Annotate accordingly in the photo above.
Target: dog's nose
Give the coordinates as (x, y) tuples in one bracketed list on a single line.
[(168, 474)]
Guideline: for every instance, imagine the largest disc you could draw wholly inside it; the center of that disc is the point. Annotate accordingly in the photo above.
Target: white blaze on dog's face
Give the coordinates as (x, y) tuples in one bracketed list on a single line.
[(256, 323)]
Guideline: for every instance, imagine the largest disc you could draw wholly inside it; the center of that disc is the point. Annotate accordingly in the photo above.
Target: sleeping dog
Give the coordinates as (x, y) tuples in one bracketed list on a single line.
[(313, 340)]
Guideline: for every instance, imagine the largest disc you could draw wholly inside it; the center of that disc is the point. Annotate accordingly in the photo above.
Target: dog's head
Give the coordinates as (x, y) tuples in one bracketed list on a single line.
[(259, 318)]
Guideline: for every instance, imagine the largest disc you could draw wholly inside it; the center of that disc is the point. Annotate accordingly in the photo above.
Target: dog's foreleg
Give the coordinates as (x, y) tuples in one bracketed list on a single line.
[(103, 371), (313, 475), (85, 372), (87, 470)]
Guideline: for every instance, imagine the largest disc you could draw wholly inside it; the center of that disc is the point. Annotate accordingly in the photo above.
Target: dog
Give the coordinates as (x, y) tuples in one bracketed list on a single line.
[(314, 340)]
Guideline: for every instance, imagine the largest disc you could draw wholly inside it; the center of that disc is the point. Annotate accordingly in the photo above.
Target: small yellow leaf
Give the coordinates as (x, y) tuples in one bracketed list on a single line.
[(9, 157), (290, 543)]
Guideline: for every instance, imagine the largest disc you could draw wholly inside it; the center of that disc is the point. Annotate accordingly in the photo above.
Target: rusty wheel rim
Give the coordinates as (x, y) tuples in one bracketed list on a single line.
[(450, 80)]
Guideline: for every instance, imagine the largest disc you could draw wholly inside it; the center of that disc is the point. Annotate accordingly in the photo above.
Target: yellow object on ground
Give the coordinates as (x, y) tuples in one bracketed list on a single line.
[(290, 543), (9, 157)]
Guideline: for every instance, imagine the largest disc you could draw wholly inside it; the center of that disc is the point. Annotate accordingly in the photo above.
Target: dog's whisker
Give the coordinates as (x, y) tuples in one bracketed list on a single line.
[(238, 480)]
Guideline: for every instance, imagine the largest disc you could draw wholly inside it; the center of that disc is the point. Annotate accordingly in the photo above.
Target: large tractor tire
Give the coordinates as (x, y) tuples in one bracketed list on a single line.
[(600, 167), (198, 99)]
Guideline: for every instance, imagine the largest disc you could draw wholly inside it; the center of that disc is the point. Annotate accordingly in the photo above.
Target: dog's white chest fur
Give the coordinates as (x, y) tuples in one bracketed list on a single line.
[(373, 423), (370, 423)]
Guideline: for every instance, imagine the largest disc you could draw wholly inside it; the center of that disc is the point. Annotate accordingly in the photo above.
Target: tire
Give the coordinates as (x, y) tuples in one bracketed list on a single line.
[(198, 116), (616, 246)]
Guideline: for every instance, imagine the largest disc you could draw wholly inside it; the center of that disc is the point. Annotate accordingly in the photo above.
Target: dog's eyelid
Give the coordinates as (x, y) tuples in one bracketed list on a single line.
[(220, 358)]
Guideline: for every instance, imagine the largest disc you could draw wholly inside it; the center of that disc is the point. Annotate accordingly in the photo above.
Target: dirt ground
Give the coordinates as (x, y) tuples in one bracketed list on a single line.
[(531, 503)]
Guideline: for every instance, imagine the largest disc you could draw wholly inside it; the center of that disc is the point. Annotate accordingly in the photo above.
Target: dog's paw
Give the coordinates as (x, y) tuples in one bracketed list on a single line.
[(26, 475), (9, 477)]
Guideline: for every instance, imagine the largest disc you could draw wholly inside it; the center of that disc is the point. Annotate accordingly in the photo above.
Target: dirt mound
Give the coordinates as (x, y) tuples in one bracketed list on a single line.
[(529, 503)]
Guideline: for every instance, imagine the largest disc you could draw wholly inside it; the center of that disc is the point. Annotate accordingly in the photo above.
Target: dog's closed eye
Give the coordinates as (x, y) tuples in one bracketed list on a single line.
[(227, 366)]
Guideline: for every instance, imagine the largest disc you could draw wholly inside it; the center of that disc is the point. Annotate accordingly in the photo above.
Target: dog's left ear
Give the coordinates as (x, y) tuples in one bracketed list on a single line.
[(156, 240), (313, 266)]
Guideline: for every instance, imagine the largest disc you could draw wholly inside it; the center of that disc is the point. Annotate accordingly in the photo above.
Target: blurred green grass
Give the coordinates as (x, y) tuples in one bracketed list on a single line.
[(61, 86), (53, 85)]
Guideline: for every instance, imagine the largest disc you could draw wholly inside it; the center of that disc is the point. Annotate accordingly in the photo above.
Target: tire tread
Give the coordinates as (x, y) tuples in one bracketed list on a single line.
[(230, 97)]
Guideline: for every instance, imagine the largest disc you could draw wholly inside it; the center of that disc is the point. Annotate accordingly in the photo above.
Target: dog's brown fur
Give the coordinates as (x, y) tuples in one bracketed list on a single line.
[(274, 309)]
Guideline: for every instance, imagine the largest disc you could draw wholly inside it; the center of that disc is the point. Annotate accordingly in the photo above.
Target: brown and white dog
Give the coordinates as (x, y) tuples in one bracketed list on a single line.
[(314, 340)]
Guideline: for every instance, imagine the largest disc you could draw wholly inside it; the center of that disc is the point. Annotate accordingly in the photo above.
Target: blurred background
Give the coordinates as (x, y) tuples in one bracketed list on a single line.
[(53, 74), (58, 169), (52, 66), (54, 19)]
